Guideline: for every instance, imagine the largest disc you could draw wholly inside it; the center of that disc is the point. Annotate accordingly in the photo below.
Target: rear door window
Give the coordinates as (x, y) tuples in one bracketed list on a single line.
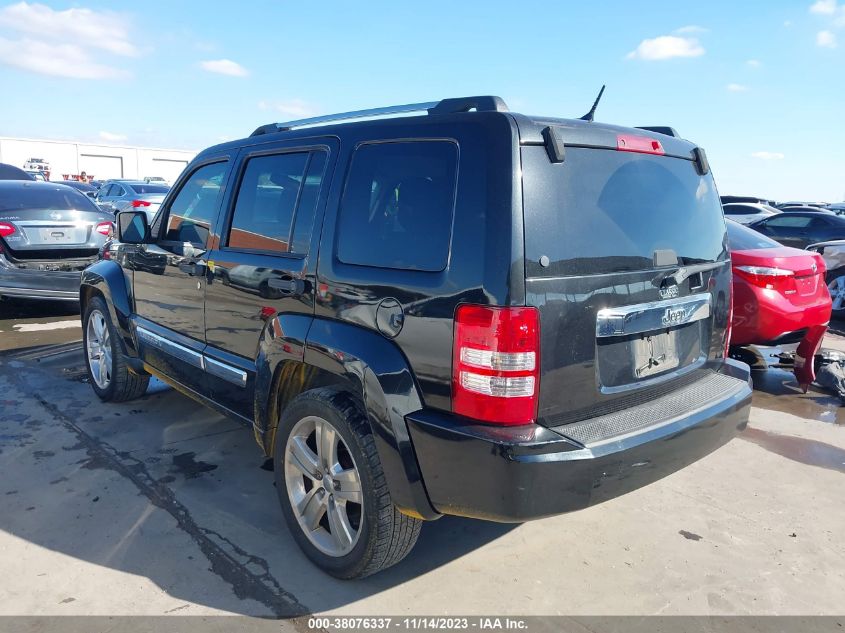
[(603, 211), (789, 221), (398, 205)]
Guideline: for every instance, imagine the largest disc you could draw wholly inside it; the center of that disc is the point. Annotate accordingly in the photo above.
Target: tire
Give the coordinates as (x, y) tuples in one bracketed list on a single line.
[(111, 379), (836, 285), (375, 535)]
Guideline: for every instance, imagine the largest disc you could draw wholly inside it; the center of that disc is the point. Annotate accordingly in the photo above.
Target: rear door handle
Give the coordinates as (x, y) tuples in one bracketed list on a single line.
[(287, 286)]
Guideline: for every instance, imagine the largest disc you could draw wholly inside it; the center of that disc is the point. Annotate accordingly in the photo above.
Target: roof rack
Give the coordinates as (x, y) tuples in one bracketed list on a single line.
[(445, 106)]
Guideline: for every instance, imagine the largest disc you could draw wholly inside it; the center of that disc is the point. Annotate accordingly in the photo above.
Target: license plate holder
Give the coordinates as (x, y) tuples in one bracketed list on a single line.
[(655, 353), (57, 235)]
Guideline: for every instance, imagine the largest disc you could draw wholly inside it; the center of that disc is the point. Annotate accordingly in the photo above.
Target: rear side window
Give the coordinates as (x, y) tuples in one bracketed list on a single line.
[(603, 211), (398, 204), (195, 206), (266, 202), (790, 221), (741, 238)]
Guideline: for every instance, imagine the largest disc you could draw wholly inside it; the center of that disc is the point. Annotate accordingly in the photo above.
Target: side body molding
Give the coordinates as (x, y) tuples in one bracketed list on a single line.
[(107, 278)]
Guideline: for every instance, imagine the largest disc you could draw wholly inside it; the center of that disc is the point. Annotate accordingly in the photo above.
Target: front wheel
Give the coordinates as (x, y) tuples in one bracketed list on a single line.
[(108, 371), (333, 491)]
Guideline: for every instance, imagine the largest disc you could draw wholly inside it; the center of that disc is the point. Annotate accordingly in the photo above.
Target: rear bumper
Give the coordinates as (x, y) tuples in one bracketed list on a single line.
[(513, 474), (38, 284)]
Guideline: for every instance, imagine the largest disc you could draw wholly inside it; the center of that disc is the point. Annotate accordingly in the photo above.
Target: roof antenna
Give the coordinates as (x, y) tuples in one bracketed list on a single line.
[(589, 116)]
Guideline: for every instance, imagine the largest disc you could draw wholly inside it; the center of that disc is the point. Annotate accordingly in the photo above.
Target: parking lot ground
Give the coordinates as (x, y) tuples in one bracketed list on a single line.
[(161, 506)]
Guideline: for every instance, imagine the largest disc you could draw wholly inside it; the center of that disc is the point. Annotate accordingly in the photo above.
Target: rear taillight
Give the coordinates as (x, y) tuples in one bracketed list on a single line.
[(6, 229), (496, 364), (104, 228), (769, 278), (726, 344), (139, 203)]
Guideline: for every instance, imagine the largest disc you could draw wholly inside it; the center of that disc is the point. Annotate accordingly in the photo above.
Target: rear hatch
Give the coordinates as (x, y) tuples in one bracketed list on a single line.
[(627, 262)]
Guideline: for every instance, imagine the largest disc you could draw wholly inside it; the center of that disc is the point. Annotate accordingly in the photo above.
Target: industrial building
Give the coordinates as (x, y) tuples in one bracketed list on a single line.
[(66, 159)]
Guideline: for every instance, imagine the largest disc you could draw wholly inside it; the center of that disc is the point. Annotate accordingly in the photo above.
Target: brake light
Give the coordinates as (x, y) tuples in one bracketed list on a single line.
[(641, 144), (139, 203), (726, 346), (104, 228), (768, 277), (495, 364), (6, 229)]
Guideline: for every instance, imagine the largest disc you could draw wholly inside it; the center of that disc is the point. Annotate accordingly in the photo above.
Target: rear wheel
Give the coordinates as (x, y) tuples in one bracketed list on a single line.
[(836, 286), (108, 371), (332, 488)]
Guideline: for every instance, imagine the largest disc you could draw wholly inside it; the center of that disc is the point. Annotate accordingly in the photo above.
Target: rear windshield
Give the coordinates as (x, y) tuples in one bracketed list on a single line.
[(603, 211), (32, 198), (741, 238), (147, 188)]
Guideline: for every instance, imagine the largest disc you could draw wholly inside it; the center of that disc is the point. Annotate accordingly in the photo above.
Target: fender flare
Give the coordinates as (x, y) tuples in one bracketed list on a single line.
[(107, 278), (375, 371)]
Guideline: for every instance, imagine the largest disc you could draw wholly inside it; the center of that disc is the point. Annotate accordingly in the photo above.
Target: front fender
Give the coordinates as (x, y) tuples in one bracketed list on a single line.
[(108, 279)]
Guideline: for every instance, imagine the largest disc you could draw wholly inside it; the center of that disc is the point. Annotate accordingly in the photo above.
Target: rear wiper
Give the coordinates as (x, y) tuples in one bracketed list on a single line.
[(682, 273)]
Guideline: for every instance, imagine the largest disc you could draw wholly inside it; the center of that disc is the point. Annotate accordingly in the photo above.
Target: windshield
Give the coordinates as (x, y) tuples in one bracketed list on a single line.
[(741, 238), (31, 198), (604, 211)]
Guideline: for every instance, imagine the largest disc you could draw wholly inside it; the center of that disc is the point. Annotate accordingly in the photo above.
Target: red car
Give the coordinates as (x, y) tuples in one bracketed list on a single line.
[(779, 297)]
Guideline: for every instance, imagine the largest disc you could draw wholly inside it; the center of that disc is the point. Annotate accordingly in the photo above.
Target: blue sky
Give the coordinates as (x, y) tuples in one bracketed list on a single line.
[(760, 85)]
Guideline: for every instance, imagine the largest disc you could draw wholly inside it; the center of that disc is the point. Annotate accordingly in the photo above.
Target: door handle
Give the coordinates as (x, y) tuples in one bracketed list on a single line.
[(290, 287)]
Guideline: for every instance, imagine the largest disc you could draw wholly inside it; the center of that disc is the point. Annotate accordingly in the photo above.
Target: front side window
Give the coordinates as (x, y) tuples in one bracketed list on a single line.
[(266, 202), (398, 205), (192, 211)]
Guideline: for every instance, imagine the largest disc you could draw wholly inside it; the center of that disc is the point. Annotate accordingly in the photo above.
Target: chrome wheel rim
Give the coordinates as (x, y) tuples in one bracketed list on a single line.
[(837, 293), (99, 350), (324, 486)]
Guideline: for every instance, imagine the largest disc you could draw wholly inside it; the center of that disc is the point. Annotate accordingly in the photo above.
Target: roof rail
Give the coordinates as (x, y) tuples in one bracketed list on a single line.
[(660, 129), (445, 106)]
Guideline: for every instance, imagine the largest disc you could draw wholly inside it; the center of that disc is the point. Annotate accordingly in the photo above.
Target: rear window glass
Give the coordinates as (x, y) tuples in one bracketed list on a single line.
[(397, 206), (32, 198), (603, 211), (142, 189), (741, 238)]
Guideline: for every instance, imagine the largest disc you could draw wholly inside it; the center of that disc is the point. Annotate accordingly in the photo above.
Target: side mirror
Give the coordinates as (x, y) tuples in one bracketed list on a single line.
[(132, 227)]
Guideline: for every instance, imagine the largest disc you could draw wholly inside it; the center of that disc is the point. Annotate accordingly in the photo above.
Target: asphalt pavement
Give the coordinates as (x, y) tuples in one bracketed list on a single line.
[(160, 506)]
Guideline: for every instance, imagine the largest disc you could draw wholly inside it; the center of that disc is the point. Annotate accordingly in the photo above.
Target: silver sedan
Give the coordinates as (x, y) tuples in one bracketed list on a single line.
[(129, 195)]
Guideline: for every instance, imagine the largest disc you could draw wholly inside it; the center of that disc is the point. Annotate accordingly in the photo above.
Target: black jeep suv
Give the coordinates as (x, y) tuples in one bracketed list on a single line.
[(468, 312)]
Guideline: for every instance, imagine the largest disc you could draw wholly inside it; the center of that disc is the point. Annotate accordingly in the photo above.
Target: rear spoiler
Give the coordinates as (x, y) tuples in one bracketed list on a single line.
[(660, 129)]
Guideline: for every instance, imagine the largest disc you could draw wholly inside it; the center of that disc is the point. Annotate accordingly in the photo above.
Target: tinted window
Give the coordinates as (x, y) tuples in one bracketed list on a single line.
[(266, 202), (397, 205), (307, 208), (789, 220), (142, 189), (117, 191), (602, 211), (739, 209), (28, 198), (741, 238), (195, 206), (104, 191)]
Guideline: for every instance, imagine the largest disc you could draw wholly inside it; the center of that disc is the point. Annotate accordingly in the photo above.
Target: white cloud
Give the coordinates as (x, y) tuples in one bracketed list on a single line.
[(824, 7), (826, 39), (667, 47), (692, 28), (736, 88), (293, 108), (224, 67), (69, 43), (768, 155), (111, 137), (753, 63)]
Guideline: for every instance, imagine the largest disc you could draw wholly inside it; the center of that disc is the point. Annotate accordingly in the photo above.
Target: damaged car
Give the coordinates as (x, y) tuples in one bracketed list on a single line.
[(48, 234)]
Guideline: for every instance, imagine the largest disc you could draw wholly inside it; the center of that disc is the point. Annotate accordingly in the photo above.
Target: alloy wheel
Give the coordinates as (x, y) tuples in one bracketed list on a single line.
[(324, 486), (99, 349), (837, 293)]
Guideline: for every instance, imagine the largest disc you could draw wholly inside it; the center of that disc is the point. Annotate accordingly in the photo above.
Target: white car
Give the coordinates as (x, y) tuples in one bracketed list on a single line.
[(36, 164), (747, 212), (833, 254)]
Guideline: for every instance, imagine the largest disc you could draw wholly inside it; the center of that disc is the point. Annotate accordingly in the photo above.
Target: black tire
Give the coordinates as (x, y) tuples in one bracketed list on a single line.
[(385, 535), (123, 384)]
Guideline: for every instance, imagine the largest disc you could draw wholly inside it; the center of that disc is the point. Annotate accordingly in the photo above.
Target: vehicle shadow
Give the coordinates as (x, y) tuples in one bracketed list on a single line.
[(162, 487), (33, 309)]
